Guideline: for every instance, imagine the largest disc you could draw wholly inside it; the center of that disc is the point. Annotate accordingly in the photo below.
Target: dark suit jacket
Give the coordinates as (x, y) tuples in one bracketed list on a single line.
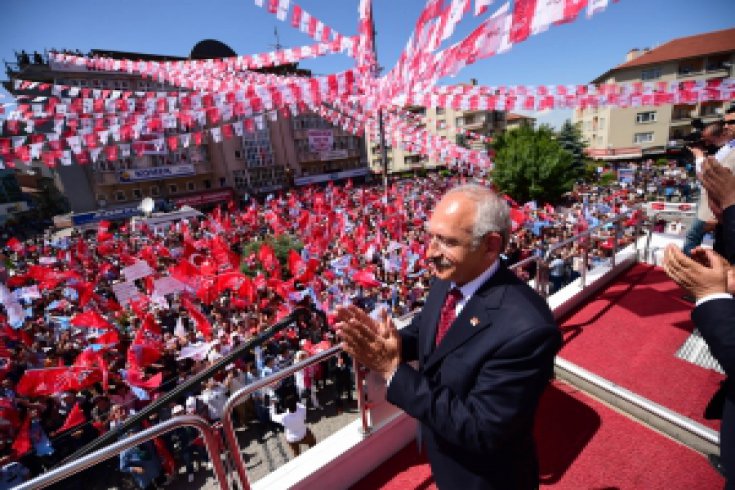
[(725, 236), (715, 319), (476, 394)]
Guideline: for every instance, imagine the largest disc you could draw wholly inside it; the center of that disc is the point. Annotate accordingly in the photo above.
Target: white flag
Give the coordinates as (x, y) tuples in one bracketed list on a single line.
[(546, 13), (282, 12)]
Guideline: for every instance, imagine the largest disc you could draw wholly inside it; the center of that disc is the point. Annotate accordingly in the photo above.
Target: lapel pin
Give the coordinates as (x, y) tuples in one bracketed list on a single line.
[(474, 321)]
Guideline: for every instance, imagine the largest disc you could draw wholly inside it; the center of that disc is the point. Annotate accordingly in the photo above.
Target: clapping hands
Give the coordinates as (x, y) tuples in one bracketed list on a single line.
[(374, 343)]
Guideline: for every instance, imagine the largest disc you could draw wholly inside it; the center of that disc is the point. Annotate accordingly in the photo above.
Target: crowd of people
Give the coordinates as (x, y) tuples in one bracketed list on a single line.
[(97, 325)]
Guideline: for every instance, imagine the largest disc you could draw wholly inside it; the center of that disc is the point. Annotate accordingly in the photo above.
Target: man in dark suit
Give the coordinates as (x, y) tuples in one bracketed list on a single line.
[(710, 278), (485, 345)]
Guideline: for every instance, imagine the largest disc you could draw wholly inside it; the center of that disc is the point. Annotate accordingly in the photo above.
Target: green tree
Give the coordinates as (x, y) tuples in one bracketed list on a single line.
[(570, 138), (280, 245), (531, 164)]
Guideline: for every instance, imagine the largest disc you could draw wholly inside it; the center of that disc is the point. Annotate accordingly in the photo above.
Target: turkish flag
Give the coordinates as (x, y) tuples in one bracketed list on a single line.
[(268, 258), (90, 319), (44, 382), (142, 355), (200, 320), (134, 377)]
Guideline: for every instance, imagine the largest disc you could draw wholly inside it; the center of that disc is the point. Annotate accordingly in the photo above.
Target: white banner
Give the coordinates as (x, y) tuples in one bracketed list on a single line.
[(137, 270), (124, 292), (333, 155), (156, 173), (320, 140), (167, 285)]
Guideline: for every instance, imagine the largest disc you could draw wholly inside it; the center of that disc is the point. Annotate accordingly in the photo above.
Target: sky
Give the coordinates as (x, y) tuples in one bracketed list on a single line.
[(567, 54)]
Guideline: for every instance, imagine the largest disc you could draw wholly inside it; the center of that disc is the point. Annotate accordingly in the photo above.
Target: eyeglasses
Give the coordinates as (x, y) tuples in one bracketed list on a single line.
[(728, 122), (446, 243)]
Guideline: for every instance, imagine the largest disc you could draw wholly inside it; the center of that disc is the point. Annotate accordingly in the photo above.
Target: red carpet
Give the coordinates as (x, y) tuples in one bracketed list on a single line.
[(629, 333), (583, 444)]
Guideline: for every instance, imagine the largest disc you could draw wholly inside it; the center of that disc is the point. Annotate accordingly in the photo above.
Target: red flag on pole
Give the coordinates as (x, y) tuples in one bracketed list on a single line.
[(200, 320), (90, 319), (76, 417)]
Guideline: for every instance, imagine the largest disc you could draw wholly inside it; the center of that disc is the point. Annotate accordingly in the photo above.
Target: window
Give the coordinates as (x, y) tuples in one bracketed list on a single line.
[(651, 74), (643, 138), (459, 122), (120, 196), (137, 194), (645, 117), (689, 67), (222, 181), (173, 189), (601, 123), (191, 186), (155, 191), (440, 111), (709, 110), (238, 154), (207, 184), (441, 125), (718, 62)]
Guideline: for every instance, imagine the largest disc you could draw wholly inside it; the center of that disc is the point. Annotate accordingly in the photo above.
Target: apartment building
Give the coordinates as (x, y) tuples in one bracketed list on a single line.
[(658, 131), (448, 123), (271, 157), (514, 121)]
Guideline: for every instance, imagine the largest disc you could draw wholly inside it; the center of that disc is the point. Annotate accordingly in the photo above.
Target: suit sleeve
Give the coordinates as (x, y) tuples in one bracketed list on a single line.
[(505, 393), (410, 339), (728, 234), (715, 319)]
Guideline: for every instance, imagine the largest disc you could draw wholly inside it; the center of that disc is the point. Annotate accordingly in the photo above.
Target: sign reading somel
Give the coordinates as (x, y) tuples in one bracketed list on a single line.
[(155, 173), (320, 140)]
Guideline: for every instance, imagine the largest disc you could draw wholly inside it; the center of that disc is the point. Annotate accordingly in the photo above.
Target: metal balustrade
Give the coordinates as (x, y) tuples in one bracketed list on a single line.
[(228, 427), (211, 443), (541, 281)]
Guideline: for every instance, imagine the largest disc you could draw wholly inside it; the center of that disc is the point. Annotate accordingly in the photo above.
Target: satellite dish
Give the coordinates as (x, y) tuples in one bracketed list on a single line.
[(147, 205)]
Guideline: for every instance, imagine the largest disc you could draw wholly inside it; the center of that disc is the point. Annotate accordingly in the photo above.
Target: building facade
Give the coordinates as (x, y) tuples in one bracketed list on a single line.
[(657, 131), (273, 155), (514, 121), (448, 123)]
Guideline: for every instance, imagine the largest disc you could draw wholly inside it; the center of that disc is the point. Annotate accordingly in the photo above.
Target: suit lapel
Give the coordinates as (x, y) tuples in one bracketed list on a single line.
[(430, 316), (476, 316)]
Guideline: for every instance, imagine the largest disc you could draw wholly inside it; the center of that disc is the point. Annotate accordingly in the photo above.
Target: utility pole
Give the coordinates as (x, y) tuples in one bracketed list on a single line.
[(381, 126)]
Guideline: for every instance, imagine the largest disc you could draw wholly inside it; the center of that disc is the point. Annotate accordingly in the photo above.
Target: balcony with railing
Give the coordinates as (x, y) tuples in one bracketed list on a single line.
[(682, 114)]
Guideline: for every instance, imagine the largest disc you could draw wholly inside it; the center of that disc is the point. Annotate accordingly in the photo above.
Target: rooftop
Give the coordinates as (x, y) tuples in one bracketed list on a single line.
[(682, 48)]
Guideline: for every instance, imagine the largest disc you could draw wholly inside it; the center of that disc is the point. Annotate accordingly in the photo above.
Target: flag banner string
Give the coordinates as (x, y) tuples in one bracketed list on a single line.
[(221, 98)]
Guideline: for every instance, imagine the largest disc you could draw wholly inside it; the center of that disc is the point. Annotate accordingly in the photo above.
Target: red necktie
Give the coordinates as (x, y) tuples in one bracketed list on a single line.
[(448, 314)]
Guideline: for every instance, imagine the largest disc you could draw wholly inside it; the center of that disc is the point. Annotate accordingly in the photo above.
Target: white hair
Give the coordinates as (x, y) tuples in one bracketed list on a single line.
[(492, 213)]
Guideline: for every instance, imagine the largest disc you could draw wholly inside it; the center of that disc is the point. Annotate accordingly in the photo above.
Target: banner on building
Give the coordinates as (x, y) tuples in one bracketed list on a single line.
[(155, 173), (320, 140), (333, 155)]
